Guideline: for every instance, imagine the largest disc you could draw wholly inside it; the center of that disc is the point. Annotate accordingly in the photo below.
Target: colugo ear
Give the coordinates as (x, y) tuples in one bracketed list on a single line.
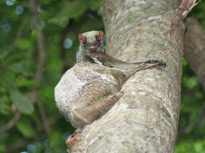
[(80, 36), (101, 33)]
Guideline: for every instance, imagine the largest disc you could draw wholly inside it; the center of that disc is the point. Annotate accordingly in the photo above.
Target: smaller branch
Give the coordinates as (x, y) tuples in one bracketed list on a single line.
[(14, 147), (44, 117), (41, 63), (11, 123), (194, 47), (25, 4), (20, 31), (53, 119), (68, 29), (186, 6)]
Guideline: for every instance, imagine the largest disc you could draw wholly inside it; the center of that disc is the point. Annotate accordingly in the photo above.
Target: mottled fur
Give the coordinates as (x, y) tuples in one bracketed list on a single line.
[(92, 86)]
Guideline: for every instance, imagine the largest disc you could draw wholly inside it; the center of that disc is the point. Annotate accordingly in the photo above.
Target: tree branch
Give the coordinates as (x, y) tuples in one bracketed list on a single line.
[(186, 6), (11, 123), (145, 119), (194, 47), (53, 119), (68, 29), (41, 65), (20, 31), (12, 148)]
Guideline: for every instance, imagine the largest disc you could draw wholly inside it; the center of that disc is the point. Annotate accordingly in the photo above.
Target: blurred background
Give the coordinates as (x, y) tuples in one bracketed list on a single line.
[(33, 61)]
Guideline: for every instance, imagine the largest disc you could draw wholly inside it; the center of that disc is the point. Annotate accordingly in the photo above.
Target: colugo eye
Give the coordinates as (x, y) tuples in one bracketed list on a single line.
[(98, 38), (84, 40)]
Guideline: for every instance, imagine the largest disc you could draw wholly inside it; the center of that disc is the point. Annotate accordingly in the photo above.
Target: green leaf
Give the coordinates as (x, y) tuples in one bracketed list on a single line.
[(46, 96), (74, 9), (22, 82), (2, 147), (24, 44), (22, 103), (55, 138), (19, 68), (4, 105), (14, 56), (94, 4), (198, 146), (25, 129), (2, 88), (7, 77)]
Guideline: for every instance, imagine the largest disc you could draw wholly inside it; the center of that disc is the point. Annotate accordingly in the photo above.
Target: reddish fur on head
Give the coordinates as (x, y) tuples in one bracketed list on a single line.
[(101, 33), (80, 36)]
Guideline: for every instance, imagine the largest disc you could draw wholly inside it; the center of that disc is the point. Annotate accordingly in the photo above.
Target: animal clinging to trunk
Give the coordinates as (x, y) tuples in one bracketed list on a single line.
[(93, 85)]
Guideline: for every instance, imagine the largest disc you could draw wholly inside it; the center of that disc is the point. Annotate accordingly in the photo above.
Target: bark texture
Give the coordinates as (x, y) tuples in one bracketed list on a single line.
[(145, 119), (194, 50)]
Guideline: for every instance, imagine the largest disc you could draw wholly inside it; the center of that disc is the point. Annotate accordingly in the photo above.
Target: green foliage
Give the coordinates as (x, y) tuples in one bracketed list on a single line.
[(199, 13), (25, 129), (4, 105), (21, 102), (19, 58), (191, 123), (190, 146)]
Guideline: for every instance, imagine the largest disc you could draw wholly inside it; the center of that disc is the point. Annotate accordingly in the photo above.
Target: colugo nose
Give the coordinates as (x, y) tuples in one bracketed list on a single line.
[(93, 48)]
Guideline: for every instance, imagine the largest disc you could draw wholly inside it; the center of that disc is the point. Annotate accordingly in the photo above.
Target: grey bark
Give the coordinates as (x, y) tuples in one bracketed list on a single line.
[(145, 119), (194, 48)]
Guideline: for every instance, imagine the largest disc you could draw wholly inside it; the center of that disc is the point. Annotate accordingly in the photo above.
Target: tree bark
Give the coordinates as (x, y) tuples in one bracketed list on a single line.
[(194, 48), (145, 119)]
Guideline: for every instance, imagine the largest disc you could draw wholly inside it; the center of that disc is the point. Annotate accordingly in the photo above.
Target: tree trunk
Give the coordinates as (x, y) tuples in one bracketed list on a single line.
[(145, 119), (194, 48)]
